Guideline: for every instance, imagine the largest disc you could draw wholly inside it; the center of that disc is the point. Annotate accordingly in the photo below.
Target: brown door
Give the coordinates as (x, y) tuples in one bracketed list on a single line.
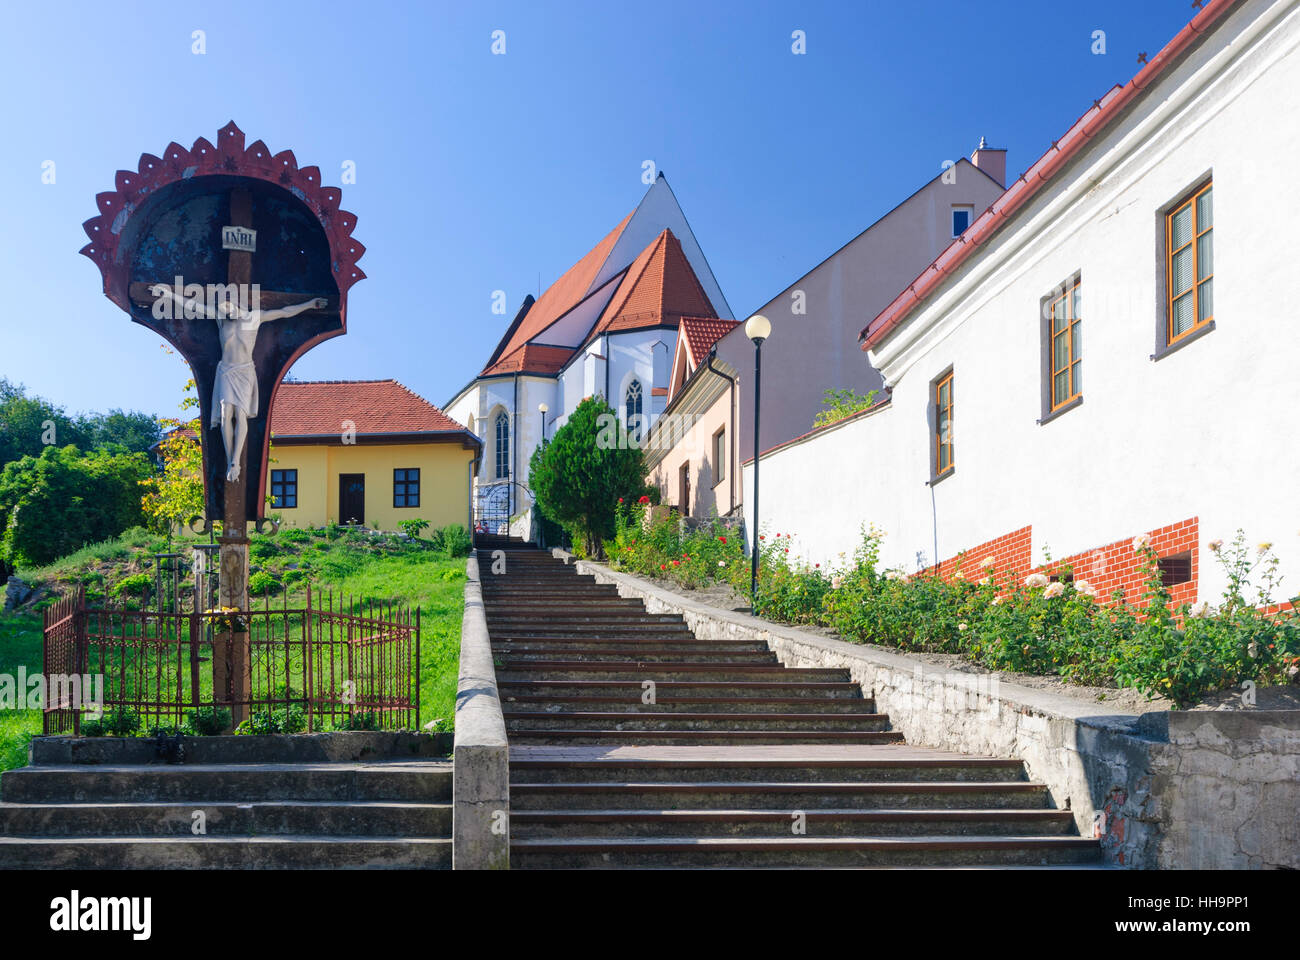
[(352, 498), (684, 489)]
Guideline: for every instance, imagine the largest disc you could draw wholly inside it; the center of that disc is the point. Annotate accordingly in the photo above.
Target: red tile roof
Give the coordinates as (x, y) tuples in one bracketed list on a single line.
[(659, 288), (319, 408), (1051, 163), (701, 333), (532, 358), (560, 297)]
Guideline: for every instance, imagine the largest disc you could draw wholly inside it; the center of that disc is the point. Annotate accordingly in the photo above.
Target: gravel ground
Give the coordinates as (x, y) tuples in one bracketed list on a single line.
[(1116, 699)]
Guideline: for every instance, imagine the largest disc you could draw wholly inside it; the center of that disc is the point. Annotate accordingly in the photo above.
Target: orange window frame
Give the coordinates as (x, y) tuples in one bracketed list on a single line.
[(943, 406), (1197, 281), (1066, 301)]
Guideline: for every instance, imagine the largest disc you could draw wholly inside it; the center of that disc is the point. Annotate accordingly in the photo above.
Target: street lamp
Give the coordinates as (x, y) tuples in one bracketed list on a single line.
[(542, 408), (758, 328)]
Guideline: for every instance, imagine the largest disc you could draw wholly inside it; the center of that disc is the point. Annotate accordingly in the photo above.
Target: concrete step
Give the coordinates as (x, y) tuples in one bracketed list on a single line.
[(226, 819), (631, 703), (869, 851), (648, 719), (289, 852), (610, 735), (542, 632), (740, 689), (416, 781), (686, 643), (510, 670), (505, 617), (904, 768), (595, 824), (778, 795), (615, 652)]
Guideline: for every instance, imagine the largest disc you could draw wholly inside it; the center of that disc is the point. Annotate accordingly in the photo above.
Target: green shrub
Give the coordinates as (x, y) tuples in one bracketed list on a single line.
[(454, 541), (579, 476), (263, 548), (207, 721), (135, 585), (54, 504), (292, 719), (413, 528), (294, 535), (262, 583), (118, 722), (360, 721), (290, 577)]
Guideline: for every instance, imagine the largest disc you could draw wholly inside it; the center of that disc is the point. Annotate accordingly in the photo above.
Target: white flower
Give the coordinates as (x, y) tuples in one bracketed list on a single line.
[(836, 582), (987, 562), (1035, 580), (1141, 542), (1054, 590), (996, 601), (1215, 545), (1264, 547), (958, 575), (962, 626), (722, 563), (985, 581), (1292, 670), (893, 575), (1202, 609), (1085, 588)]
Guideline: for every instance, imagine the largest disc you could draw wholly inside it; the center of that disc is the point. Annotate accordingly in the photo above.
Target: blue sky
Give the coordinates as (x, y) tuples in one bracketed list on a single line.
[(478, 172)]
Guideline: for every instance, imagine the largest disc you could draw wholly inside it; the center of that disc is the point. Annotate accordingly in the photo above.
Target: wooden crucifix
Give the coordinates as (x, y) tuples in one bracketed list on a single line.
[(185, 244)]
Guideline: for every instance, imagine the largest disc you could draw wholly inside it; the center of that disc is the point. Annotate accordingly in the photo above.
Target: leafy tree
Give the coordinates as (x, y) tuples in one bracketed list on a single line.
[(62, 500), (132, 431), (176, 494), (30, 424), (579, 477)]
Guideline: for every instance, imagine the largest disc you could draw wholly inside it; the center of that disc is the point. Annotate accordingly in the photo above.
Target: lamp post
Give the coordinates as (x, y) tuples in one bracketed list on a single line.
[(542, 408), (758, 328)]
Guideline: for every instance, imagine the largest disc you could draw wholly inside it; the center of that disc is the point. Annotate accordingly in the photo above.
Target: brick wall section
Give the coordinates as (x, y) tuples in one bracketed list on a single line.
[(1010, 553), (1111, 567)]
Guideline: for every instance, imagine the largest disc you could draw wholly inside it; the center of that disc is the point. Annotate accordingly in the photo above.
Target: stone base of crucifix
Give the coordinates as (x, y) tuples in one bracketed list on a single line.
[(231, 661)]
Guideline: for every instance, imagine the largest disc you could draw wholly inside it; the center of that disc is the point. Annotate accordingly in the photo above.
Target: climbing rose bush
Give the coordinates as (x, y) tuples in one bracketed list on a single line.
[(1032, 624)]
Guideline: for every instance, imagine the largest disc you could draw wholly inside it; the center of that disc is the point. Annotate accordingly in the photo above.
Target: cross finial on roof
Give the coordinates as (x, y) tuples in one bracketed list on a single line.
[(983, 144)]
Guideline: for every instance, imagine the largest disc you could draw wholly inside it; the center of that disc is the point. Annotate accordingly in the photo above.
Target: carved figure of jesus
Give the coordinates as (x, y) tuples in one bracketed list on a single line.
[(234, 389)]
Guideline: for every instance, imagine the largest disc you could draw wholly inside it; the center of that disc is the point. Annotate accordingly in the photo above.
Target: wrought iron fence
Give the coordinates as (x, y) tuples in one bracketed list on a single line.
[(332, 663)]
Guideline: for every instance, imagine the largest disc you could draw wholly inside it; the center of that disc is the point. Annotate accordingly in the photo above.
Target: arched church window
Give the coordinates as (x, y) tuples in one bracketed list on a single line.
[(503, 446), (632, 410)]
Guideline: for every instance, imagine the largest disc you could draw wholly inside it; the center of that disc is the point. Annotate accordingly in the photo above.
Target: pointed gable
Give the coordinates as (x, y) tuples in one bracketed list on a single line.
[(701, 333), (659, 288), (560, 297)]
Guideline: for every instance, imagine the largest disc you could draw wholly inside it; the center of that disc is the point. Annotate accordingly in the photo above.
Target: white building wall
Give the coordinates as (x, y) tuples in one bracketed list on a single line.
[(1202, 432)]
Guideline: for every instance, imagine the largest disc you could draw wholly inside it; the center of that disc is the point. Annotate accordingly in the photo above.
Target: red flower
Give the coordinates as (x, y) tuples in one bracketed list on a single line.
[(723, 539), (761, 537), (620, 499), (677, 563), (644, 500), (816, 564), (663, 566)]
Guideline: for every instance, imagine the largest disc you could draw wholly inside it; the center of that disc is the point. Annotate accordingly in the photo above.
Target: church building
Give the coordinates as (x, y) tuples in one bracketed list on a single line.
[(607, 327)]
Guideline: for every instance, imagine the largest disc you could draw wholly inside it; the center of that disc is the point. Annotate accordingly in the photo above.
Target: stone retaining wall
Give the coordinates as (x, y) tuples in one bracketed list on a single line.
[(1166, 790), (481, 779)]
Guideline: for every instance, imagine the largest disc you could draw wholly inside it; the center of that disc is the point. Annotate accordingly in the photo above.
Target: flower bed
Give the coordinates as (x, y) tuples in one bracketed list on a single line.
[(1035, 624)]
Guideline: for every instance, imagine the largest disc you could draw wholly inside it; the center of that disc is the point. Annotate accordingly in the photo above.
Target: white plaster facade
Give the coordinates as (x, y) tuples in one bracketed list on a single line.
[(1200, 432)]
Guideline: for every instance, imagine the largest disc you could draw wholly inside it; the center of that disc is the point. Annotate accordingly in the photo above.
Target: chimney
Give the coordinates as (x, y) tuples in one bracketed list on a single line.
[(992, 160)]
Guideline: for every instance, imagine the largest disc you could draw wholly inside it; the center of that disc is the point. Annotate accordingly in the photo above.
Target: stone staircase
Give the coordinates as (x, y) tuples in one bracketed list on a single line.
[(635, 744), (114, 804)]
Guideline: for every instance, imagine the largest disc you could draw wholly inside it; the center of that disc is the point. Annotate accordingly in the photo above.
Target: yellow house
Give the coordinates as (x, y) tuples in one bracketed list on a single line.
[(366, 452)]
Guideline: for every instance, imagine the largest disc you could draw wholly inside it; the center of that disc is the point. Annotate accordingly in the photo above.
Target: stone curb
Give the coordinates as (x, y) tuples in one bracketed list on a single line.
[(481, 764)]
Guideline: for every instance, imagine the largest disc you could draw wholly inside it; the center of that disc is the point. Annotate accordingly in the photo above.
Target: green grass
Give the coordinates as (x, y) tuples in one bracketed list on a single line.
[(20, 646), (351, 564)]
